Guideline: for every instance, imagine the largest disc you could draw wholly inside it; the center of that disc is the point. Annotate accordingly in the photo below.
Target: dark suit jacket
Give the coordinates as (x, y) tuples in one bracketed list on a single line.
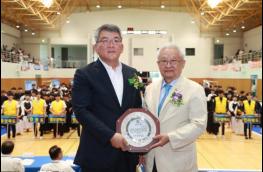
[(97, 108)]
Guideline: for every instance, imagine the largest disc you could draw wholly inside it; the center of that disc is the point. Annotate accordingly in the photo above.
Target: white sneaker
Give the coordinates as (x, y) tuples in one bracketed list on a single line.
[(40, 137)]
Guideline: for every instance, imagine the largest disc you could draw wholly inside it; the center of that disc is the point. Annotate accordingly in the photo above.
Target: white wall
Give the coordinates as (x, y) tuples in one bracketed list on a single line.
[(253, 39), (178, 25), (9, 36), (75, 52), (146, 62), (44, 53), (231, 45)]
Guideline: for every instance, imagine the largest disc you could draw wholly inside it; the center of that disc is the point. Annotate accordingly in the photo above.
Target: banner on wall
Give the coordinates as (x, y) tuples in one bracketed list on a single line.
[(55, 83), (254, 64), (25, 66), (236, 67), (28, 84)]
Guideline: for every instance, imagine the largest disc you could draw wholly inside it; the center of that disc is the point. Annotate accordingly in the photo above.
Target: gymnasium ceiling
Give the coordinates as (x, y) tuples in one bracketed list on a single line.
[(227, 16)]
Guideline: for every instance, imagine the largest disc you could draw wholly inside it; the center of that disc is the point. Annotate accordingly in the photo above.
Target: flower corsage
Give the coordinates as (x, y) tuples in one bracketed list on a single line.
[(135, 82), (176, 98)]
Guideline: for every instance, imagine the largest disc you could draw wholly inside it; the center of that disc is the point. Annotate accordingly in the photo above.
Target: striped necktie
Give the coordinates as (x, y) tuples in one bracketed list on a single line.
[(167, 88)]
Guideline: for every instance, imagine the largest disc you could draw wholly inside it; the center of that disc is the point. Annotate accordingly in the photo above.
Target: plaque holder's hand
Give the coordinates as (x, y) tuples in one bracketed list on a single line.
[(161, 139), (119, 142)]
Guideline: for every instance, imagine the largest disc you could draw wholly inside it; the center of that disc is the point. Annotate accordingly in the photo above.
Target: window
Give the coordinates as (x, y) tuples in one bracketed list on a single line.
[(138, 51), (190, 51)]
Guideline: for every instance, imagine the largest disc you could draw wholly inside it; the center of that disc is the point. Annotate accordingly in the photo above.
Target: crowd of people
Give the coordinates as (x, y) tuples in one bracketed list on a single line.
[(45, 101), (234, 104), (45, 97), (243, 56), (11, 163), (16, 55)]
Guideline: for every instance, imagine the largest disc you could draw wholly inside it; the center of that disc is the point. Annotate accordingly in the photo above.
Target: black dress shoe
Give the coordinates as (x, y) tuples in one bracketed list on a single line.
[(246, 137)]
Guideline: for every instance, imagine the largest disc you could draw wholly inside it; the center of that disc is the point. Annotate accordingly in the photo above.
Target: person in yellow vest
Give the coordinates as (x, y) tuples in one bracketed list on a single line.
[(10, 107), (38, 108), (221, 107), (250, 109), (58, 107)]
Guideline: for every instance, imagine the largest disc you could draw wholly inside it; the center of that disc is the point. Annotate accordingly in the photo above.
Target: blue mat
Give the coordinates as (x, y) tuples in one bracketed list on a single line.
[(3, 130), (257, 129)]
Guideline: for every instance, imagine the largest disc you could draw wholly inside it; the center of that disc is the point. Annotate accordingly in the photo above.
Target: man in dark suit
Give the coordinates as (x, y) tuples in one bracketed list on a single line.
[(100, 95)]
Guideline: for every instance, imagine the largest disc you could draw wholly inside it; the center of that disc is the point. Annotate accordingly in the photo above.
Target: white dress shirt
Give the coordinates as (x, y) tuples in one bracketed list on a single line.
[(116, 78), (56, 165), (10, 164)]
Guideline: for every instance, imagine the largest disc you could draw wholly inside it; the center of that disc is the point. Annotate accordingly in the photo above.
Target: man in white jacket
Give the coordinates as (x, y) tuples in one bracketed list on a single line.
[(180, 105), (57, 163), (9, 163)]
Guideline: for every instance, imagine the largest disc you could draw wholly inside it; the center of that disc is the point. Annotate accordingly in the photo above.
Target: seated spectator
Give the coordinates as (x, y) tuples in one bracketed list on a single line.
[(57, 163), (8, 163)]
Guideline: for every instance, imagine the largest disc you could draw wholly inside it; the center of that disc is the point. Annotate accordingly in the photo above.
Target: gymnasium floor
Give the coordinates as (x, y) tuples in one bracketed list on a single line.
[(232, 153)]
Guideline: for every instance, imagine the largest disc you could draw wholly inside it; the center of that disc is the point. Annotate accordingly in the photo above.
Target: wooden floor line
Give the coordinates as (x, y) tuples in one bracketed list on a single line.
[(70, 134), (211, 165)]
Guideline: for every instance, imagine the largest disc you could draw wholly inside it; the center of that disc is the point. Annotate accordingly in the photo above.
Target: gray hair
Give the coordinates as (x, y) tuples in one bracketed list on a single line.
[(109, 28), (171, 46)]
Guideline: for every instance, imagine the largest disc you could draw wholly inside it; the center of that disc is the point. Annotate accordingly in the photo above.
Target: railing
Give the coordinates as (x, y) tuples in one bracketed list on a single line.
[(243, 58), (69, 63)]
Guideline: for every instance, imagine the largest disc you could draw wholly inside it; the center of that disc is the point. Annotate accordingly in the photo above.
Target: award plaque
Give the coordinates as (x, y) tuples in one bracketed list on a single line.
[(138, 126)]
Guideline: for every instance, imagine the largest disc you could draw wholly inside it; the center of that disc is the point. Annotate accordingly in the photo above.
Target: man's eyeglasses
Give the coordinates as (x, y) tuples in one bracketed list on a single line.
[(166, 62), (107, 41)]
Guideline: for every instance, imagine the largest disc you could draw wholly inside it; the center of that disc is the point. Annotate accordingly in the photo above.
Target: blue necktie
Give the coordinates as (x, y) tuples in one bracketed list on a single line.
[(167, 88)]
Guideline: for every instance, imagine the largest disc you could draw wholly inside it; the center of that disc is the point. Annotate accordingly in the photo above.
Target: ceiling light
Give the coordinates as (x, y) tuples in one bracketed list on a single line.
[(26, 30), (202, 13), (33, 33), (234, 30), (137, 32), (162, 6), (217, 41), (17, 26), (227, 34), (243, 27), (163, 32), (58, 13), (47, 3), (68, 21), (119, 6), (97, 6), (124, 32), (193, 22), (43, 40), (213, 3)]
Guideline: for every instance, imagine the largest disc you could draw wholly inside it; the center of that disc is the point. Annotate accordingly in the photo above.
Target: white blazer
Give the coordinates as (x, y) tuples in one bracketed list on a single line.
[(183, 124)]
